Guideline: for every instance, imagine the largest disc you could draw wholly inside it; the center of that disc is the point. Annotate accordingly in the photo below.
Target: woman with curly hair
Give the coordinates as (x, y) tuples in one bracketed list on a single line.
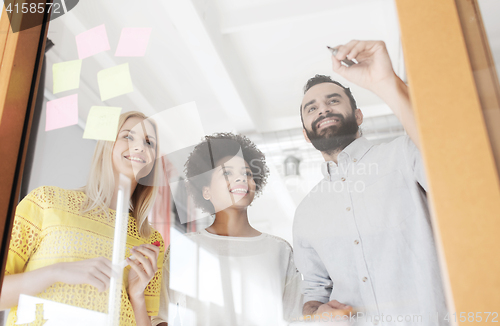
[(238, 275)]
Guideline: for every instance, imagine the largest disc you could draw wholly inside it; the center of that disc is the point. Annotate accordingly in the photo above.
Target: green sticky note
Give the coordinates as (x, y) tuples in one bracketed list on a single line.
[(114, 81), (66, 75), (102, 123)]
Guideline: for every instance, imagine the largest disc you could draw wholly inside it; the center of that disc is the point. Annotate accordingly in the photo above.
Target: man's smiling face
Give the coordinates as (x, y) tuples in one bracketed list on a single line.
[(329, 122)]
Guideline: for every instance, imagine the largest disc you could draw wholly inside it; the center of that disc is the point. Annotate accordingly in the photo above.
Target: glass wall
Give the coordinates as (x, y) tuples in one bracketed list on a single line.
[(270, 193)]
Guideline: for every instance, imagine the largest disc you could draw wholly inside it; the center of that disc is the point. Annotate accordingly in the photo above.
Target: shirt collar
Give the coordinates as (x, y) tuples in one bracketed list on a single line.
[(354, 152)]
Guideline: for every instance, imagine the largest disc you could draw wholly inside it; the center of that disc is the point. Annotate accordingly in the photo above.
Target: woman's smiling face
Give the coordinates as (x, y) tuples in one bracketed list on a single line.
[(134, 152), (231, 185)]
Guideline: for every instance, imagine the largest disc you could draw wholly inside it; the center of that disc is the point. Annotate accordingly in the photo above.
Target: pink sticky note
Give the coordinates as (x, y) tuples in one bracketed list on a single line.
[(133, 42), (91, 42), (62, 112)]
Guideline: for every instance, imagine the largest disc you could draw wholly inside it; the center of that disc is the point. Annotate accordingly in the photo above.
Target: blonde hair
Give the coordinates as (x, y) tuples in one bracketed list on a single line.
[(101, 183)]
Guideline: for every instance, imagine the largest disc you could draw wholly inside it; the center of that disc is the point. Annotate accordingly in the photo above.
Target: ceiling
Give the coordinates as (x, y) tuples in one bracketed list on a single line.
[(243, 62)]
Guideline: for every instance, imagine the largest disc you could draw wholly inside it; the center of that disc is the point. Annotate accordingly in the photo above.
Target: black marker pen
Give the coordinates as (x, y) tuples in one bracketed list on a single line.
[(346, 62)]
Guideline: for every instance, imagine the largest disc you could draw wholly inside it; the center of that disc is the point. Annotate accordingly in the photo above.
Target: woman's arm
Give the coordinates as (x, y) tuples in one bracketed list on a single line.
[(161, 319), (140, 310), (30, 283), (143, 269), (95, 271)]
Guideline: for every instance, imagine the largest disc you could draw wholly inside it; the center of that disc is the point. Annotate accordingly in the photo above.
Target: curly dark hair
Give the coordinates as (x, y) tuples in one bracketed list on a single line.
[(210, 151)]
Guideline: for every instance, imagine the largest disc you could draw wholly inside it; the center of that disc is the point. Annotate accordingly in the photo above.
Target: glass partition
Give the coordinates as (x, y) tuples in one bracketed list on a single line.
[(270, 183)]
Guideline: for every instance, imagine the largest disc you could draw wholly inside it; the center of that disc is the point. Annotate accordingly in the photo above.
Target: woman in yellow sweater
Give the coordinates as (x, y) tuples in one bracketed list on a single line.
[(62, 240)]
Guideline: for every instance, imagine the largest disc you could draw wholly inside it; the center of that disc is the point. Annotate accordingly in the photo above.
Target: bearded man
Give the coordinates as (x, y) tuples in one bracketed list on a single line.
[(363, 237)]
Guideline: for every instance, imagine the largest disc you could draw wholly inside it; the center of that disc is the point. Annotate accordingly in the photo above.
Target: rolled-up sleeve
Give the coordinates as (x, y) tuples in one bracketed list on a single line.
[(316, 285), (415, 161)]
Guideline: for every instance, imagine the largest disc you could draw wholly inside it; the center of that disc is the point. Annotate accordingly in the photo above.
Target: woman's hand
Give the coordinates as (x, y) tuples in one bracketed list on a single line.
[(143, 269), (95, 271)]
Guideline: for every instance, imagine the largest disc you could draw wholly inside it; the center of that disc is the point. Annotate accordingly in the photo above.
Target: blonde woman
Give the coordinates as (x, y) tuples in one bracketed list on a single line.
[(62, 240)]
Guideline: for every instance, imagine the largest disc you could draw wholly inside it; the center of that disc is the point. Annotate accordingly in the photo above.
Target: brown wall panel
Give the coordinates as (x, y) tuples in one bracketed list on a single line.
[(463, 179), (19, 71)]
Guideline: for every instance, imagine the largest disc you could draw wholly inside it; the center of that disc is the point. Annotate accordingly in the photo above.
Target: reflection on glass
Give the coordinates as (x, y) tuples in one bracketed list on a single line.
[(489, 9), (119, 244), (363, 235)]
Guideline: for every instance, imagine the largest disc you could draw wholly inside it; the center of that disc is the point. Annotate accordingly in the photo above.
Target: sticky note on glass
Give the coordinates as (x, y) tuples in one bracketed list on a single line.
[(102, 123), (62, 112), (91, 42), (114, 81), (66, 75), (133, 42)]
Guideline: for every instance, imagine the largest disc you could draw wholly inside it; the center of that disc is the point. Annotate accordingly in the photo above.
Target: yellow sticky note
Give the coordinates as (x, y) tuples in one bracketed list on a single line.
[(102, 123), (66, 75), (114, 81)]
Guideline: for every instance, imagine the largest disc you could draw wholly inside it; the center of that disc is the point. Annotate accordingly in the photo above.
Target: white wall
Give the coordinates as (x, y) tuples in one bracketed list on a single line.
[(62, 157)]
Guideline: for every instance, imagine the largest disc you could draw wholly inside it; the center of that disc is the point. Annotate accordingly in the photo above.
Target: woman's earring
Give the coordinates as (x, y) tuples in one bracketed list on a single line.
[(205, 192)]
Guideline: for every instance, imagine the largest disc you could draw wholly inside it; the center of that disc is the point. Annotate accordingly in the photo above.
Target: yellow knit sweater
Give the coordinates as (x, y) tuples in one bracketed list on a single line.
[(48, 229)]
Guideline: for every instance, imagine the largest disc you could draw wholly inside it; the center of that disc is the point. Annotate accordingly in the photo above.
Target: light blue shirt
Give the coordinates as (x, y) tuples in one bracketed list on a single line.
[(363, 236)]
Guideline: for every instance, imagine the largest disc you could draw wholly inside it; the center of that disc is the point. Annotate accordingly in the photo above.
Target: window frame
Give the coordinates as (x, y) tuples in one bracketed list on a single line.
[(21, 57)]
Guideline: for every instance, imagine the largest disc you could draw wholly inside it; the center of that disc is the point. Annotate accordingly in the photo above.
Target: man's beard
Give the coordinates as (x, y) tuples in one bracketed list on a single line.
[(334, 138)]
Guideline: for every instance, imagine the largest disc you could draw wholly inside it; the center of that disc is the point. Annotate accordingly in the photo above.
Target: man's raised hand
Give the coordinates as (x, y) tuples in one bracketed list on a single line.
[(374, 69)]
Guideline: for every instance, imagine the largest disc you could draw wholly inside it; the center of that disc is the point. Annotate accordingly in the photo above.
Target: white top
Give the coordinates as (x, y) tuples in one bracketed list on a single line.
[(363, 236), (218, 280)]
